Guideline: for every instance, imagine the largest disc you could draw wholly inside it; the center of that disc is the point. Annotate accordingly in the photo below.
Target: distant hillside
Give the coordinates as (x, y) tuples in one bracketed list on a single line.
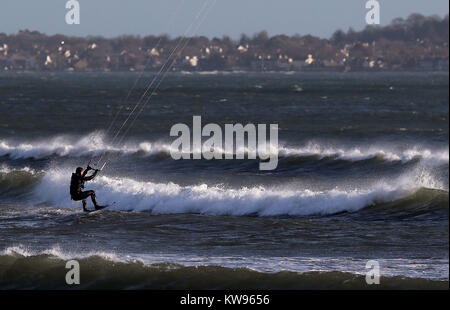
[(417, 43)]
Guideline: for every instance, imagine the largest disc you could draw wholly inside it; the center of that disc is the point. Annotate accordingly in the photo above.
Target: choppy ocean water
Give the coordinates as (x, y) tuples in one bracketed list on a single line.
[(362, 175)]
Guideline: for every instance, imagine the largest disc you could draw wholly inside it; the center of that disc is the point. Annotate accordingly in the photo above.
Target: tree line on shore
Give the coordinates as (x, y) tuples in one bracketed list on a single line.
[(417, 42)]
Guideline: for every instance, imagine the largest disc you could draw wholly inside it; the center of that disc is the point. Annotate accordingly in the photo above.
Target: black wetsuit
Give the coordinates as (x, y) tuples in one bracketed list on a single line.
[(77, 186)]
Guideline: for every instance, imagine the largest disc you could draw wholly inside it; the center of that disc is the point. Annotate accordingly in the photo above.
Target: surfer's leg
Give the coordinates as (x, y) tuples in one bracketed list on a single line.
[(86, 194), (84, 205), (93, 198), (81, 196)]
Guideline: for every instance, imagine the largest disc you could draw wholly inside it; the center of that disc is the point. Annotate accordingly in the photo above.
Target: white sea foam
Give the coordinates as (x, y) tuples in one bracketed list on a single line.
[(418, 268), (7, 169), (134, 195), (57, 251), (65, 146), (95, 144), (362, 153)]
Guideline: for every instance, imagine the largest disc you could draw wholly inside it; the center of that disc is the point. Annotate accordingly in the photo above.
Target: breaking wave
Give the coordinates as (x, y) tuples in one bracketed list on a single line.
[(95, 144), (415, 183), (47, 270), (416, 188)]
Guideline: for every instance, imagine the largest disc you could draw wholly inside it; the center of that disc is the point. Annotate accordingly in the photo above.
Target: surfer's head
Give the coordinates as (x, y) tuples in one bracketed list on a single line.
[(79, 170)]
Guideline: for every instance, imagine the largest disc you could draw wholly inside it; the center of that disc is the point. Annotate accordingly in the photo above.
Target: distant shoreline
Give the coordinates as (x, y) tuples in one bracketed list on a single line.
[(418, 43)]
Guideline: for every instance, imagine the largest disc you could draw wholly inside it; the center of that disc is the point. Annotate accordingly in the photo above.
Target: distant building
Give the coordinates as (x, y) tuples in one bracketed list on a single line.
[(271, 64), (17, 62), (442, 65), (426, 64), (309, 60), (3, 63)]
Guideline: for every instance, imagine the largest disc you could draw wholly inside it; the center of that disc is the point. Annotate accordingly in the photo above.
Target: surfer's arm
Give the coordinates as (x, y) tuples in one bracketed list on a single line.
[(83, 175), (91, 176)]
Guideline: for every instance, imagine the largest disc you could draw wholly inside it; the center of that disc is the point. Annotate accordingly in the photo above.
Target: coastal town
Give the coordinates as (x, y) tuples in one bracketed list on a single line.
[(417, 43)]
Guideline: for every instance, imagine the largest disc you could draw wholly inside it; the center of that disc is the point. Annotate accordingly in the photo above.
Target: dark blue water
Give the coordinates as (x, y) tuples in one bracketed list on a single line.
[(362, 175)]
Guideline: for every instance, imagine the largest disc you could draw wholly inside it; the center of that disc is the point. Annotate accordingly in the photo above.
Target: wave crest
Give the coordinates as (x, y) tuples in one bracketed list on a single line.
[(162, 198), (47, 271), (96, 144)]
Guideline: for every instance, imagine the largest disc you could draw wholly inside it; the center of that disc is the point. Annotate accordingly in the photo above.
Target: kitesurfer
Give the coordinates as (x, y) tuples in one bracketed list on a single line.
[(77, 187)]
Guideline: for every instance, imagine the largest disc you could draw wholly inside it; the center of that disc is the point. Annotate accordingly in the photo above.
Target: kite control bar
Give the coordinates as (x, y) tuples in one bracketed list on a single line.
[(90, 168)]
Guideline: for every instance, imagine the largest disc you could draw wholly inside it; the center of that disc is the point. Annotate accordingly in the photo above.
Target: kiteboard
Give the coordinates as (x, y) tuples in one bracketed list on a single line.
[(98, 209)]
